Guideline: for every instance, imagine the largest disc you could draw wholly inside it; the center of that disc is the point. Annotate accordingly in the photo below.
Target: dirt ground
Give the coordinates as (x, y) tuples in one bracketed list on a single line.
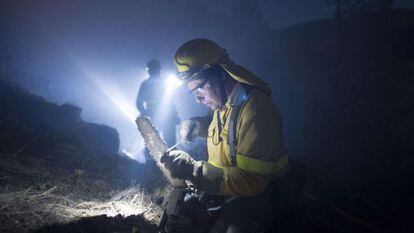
[(34, 197)]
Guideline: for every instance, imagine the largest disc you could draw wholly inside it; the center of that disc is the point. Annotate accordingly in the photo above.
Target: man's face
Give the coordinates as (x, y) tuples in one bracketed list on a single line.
[(207, 91)]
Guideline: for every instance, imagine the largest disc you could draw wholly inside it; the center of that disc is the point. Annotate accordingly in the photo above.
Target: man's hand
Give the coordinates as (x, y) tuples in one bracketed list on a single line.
[(188, 130), (180, 164)]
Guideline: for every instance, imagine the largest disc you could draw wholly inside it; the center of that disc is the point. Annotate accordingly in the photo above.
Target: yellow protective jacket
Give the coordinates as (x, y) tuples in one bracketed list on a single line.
[(260, 151)]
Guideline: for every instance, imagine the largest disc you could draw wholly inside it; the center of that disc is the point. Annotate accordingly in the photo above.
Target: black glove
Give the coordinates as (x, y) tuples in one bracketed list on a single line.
[(179, 163)]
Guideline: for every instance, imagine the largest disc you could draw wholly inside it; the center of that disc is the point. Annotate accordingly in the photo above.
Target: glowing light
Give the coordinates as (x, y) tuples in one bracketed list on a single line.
[(135, 155), (131, 201), (173, 82), (114, 104), (115, 95)]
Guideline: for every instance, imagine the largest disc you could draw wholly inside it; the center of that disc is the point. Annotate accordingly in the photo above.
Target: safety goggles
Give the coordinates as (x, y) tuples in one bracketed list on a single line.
[(199, 88)]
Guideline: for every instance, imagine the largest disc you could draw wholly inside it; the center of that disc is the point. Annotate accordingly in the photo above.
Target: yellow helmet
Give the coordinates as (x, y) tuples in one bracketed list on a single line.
[(197, 55)]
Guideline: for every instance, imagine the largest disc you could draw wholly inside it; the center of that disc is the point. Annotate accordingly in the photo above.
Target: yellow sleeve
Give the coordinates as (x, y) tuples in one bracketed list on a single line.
[(241, 183), (260, 150), (227, 181)]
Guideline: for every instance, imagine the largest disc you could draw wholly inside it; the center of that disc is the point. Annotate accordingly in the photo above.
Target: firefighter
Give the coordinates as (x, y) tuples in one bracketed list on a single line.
[(150, 102), (246, 151)]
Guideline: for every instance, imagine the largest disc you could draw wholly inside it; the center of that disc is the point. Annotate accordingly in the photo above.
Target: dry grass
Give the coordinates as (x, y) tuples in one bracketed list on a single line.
[(28, 209), (33, 194)]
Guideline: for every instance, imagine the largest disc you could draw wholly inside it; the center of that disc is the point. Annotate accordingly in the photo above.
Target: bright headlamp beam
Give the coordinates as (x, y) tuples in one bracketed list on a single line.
[(172, 82), (121, 104), (114, 95)]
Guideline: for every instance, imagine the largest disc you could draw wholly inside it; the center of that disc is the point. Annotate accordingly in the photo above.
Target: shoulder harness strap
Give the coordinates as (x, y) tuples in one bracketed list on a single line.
[(237, 101)]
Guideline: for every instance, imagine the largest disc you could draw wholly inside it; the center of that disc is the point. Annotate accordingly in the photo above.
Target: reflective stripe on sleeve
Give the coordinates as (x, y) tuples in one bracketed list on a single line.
[(215, 164), (259, 166)]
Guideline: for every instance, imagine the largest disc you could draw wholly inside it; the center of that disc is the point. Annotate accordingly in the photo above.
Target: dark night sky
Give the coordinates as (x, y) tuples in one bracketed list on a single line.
[(283, 13), (69, 46)]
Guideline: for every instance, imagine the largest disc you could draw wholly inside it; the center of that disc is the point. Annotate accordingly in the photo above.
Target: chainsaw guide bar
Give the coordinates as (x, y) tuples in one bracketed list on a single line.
[(156, 147)]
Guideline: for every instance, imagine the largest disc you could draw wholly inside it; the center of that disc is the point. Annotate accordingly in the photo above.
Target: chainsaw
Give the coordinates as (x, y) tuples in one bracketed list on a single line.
[(184, 200)]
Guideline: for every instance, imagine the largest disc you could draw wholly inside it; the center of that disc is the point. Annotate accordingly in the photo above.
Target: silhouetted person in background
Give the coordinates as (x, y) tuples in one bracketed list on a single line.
[(151, 102)]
